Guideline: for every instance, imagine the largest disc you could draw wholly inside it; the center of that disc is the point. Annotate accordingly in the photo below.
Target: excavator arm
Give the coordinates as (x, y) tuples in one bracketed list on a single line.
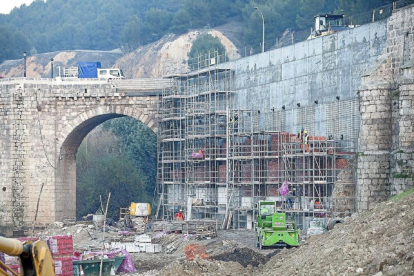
[(35, 257)]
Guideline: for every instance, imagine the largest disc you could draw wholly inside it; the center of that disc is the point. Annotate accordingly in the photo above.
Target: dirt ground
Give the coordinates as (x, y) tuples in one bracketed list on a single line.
[(231, 245), (377, 242)]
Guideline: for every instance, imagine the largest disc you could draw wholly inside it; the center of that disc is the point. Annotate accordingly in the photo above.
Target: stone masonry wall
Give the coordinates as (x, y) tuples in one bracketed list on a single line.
[(374, 144), (42, 124), (386, 139)]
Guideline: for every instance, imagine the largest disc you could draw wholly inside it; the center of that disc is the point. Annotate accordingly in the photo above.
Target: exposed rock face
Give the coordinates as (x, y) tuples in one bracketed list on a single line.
[(167, 55)]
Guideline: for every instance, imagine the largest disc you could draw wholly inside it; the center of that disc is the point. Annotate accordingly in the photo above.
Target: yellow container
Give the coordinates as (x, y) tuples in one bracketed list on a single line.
[(140, 209)]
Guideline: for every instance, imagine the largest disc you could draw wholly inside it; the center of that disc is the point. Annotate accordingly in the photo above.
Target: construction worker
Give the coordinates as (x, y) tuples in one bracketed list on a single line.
[(306, 140), (235, 122), (300, 136), (179, 215)]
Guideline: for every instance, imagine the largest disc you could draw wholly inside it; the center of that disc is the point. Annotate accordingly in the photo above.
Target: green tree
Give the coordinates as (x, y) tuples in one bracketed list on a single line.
[(204, 47), (198, 11), (140, 143), (157, 22), (309, 8), (12, 43), (103, 167), (131, 35), (180, 22), (353, 7)]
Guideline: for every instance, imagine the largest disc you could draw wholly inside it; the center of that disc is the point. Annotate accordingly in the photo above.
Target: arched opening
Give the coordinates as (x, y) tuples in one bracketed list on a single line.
[(115, 163)]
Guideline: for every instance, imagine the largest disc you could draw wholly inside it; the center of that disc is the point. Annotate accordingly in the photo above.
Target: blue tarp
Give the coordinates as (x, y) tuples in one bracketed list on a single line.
[(88, 69)]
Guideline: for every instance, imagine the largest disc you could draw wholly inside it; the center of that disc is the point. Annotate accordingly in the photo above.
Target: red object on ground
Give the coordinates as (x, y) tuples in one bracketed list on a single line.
[(60, 245), (63, 266), (192, 250)]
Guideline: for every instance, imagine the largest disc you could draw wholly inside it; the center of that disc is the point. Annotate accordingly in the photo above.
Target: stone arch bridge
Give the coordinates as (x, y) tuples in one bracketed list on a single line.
[(43, 122)]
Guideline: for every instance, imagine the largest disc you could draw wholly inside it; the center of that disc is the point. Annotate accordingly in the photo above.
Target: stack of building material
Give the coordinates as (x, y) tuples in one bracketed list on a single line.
[(275, 171), (139, 224), (193, 250), (341, 163), (61, 248), (199, 174), (246, 172), (179, 175), (247, 147), (222, 173), (272, 190), (260, 147), (205, 228), (280, 142), (223, 150), (141, 243)]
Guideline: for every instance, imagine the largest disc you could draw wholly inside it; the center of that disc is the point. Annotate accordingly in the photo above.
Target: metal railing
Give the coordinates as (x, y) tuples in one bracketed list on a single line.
[(290, 37)]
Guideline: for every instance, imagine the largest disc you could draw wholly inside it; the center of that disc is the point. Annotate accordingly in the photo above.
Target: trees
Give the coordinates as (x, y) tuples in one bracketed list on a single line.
[(89, 24), (119, 157), (12, 43), (157, 22), (202, 46), (198, 11), (131, 34)]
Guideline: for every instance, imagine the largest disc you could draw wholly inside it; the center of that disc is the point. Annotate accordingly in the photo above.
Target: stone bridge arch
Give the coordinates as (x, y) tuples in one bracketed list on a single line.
[(68, 142), (42, 123)]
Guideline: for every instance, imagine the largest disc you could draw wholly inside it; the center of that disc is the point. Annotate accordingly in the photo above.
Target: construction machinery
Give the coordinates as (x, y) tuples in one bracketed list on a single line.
[(326, 24), (35, 257), (272, 228), (135, 216)]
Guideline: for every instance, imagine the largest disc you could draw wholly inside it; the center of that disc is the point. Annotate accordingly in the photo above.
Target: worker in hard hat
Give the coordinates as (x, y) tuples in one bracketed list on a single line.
[(235, 122), (179, 215)]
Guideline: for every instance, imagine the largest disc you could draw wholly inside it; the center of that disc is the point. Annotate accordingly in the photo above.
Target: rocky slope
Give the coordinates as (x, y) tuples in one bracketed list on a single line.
[(168, 55)]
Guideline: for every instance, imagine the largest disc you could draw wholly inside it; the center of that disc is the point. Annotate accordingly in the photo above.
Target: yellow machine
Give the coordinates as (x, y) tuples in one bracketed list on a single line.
[(136, 216), (35, 257)]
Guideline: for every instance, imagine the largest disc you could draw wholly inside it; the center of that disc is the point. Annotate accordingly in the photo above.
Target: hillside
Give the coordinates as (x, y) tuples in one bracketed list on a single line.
[(153, 60)]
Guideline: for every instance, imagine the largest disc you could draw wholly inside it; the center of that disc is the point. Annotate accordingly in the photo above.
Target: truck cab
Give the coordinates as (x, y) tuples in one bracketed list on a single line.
[(328, 24), (112, 73)]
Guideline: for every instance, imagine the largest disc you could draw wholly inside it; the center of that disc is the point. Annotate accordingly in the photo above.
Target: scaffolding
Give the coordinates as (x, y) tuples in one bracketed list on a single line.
[(193, 131), (309, 179), (216, 161)]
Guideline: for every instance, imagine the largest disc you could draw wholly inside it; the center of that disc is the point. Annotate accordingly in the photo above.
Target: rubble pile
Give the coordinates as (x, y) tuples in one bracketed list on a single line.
[(378, 242), (244, 256), (200, 266)]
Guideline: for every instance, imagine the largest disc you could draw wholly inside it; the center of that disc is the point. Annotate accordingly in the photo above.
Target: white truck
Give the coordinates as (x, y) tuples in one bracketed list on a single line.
[(92, 70)]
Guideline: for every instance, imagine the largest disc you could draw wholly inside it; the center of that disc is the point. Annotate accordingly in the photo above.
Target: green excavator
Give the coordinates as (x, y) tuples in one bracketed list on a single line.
[(272, 228)]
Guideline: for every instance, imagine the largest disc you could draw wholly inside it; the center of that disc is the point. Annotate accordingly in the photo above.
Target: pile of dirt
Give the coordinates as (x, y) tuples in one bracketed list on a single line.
[(205, 267), (244, 256), (378, 242)]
